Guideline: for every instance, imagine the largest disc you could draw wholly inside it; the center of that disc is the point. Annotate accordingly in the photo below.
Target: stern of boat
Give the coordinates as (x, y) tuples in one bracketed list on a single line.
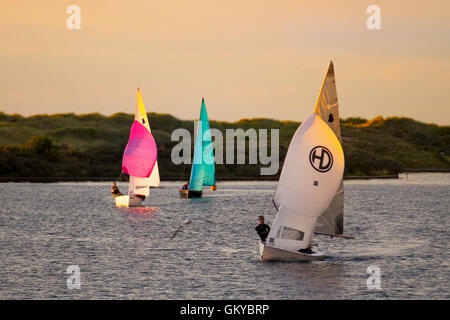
[(184, 193), (127, 201), (267, 253), (190, 193)]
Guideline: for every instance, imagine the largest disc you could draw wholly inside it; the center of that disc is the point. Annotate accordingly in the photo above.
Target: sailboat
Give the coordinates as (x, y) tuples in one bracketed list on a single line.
[(203, 169), (139, 159), (309, 198)]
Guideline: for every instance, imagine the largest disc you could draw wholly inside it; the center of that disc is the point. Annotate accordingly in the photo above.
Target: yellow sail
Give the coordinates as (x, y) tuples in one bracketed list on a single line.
[(327, 108), (140, 114)]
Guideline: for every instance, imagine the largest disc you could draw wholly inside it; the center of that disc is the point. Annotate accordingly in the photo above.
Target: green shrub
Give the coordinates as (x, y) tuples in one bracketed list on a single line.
[(40, 145)]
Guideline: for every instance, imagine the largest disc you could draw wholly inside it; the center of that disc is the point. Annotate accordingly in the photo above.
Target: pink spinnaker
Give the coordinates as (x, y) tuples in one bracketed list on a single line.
[(140, 154)]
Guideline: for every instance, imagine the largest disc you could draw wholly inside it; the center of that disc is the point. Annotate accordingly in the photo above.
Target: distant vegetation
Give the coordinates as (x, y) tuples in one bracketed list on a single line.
[(91, 145)]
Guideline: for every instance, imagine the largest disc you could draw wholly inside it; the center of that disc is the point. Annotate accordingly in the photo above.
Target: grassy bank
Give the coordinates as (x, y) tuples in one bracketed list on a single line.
[(91, 145)]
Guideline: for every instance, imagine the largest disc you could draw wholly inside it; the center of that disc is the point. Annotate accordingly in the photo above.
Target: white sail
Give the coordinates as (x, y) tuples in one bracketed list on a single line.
[(139, 186), (311, 174), (332, 220), (154, 180), (327, 108)]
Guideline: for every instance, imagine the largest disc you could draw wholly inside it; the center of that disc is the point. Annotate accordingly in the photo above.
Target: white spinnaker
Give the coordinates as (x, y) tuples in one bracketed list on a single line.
[(307, 185), (327, 108)]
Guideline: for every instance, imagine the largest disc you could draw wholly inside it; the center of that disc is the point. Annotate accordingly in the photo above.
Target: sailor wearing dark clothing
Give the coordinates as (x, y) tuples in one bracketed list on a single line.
[(262, 229), (115, 191), (185, 186)]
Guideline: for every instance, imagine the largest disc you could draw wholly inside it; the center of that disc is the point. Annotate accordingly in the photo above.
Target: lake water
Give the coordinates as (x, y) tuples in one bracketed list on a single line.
[(401, 226)]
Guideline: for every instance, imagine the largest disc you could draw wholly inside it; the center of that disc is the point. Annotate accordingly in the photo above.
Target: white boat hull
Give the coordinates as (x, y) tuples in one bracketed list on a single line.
[(127, 201), (272, 253)]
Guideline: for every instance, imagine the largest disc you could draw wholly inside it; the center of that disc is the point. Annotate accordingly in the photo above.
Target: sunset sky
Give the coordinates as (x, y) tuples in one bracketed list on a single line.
[(248, 58)]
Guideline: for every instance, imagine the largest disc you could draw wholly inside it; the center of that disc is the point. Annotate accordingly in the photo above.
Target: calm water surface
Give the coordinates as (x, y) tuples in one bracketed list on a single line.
[(401, 226)]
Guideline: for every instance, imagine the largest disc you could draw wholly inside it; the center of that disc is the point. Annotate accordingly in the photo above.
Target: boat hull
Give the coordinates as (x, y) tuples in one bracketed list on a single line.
[(268, 253), (127, 201), (190, 193)]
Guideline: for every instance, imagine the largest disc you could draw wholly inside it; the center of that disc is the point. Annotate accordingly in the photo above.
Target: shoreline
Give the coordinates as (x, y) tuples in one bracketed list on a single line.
[(425, 170), (259, 178)]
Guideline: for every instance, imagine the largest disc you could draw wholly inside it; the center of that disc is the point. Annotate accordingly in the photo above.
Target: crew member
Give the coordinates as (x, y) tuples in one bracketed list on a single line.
[(115, 190), (262, 229)]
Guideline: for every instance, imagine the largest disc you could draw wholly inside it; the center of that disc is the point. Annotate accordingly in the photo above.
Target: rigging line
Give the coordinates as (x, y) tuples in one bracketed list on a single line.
[(332, 235), (182, 172), (120, 177), (274, 204)]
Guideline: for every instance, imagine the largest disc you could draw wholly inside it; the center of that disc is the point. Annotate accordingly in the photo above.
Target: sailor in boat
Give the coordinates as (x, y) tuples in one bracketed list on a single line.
[(185, 186), (115, 190), (262, 229)]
